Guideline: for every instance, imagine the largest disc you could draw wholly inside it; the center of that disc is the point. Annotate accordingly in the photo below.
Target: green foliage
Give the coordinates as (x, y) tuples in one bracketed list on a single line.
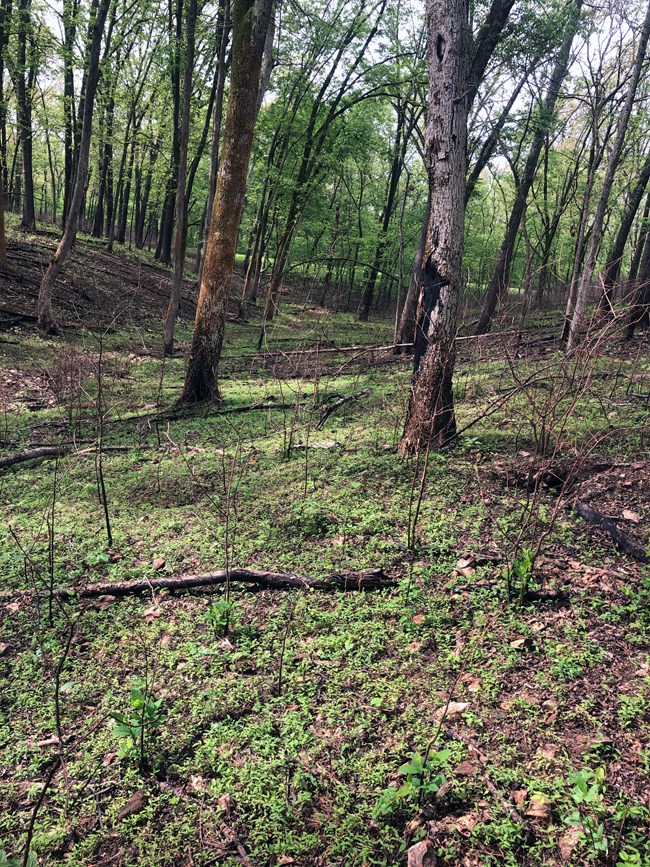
[(219, 617), (423, 779), (138, 725)]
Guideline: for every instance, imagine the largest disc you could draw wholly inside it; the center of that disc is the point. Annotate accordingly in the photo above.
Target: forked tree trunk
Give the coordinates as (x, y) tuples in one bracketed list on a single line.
[(46, 320), (430, 415), (180, 215), (250, 22), (595, 238)]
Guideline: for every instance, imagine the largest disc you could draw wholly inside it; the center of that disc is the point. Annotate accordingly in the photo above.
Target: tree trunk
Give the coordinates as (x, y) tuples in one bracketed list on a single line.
[(577, 320), (223, 21), (397, 164), (613, 266), (250, 21), (430, 418), (69, 37), (180, 216), (24, 111), (406, 330), (46, 321), (499, 282)]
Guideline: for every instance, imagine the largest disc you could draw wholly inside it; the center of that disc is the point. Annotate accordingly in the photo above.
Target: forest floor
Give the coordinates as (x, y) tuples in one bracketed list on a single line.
[(493, 699)]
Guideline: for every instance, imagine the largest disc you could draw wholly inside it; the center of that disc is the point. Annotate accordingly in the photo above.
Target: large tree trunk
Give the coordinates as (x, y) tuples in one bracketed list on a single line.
[(250, 22), (481, 52), (577, 320), (430, 418), (217, 116), (46, 320), (180, 215), (499, 282)]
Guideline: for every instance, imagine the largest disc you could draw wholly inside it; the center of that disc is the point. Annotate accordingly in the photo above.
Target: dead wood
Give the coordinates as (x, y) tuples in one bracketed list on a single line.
[(626, 543), (41, 453), (368, 579), (327, 411), (44, 453)]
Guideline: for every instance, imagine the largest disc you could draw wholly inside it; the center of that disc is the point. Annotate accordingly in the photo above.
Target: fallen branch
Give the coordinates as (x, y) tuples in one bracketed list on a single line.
[(43, 453), (368, 579), (327, 412), (625, 543)]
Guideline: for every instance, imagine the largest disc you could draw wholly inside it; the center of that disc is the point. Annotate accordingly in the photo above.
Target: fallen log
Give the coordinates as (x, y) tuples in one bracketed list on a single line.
[(43, 453), (368, 579), (40, 453), (626, 543)]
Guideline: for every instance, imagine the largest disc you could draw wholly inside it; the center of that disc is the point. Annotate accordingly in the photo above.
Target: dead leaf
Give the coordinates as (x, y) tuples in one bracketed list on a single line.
[(549, 751), (158, 563), (134, 805), (466, 768), (108, 758), (225, 802), (414, 646), (13, 607), (152, 613), (196, 783), (519, 797), (286, 859), (423, 854), (418, 619), (539, 808), (526, 643), (465, 823), (49, 742), (634, 517), (3, 648), (474, 686), (104, 602), (568, 842), (453, 709)]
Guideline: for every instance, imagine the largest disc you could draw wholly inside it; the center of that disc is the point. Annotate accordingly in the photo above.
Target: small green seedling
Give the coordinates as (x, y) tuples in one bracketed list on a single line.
[(219, 616), (423, 779), (145, 715)]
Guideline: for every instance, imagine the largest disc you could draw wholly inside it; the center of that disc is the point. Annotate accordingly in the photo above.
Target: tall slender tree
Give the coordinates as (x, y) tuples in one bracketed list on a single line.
[(595, 238), (46, 320), (250, 23)]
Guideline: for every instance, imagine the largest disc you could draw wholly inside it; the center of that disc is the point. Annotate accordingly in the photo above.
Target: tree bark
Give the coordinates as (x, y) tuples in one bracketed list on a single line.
[(69, 35), (46, 320), (499, 282), (430, 418), (612, 269), (24, 111), (577, 320), (180, 209), (250, 22)]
